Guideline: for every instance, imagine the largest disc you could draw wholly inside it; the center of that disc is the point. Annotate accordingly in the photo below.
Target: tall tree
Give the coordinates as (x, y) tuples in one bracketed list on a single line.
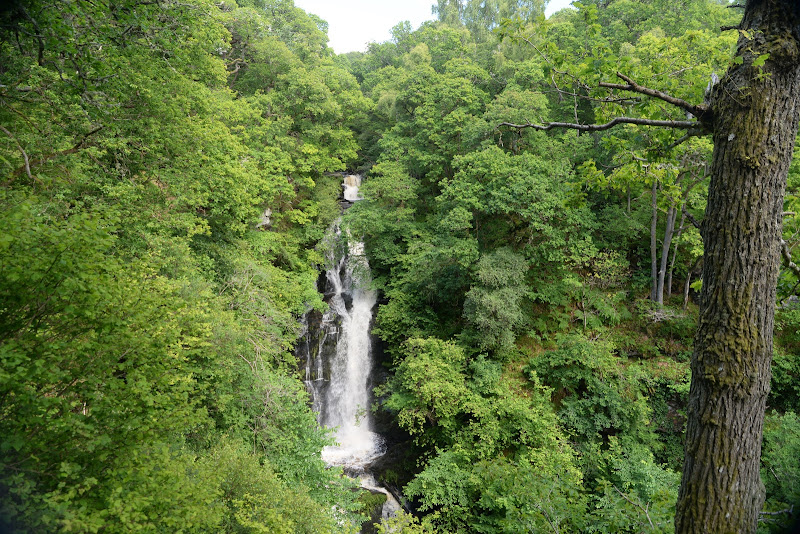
[(752, 114), (754, 119)]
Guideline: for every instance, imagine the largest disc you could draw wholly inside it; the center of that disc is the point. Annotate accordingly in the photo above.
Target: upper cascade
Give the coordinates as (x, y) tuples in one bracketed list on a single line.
[(351, 184)]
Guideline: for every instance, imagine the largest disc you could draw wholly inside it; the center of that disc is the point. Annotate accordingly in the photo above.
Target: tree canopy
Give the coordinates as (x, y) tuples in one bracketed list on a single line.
[(170, 167)]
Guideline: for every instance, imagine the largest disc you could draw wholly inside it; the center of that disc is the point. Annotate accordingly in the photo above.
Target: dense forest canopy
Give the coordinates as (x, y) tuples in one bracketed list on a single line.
[(169, 169)]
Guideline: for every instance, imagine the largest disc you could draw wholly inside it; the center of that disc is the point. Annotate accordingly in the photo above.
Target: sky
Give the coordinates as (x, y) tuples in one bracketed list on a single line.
[(354, 23)]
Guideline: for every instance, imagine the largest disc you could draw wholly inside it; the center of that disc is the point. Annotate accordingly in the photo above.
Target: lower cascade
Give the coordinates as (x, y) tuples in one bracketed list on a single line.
[(339, 360)]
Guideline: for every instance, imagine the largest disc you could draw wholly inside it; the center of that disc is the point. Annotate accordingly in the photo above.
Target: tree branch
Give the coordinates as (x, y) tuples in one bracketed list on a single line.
[(552, 66), (691, 218), (698, 111), (686, 125), (786, 255), (789, 511), (38, 34), (27, 166), (689, 134), (78, 146), (642, 508)]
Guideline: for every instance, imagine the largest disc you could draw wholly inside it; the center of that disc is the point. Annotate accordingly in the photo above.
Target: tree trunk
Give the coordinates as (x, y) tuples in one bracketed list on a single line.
[(669, 229), (688, 283), (675, 253), (755, 117), (629, 200), (654, 244)]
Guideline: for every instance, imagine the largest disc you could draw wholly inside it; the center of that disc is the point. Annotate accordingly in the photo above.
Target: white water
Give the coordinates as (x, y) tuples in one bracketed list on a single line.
[(338, 368)]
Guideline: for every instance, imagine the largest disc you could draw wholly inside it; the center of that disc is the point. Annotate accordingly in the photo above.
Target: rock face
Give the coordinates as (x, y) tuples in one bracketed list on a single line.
[(374, 501)]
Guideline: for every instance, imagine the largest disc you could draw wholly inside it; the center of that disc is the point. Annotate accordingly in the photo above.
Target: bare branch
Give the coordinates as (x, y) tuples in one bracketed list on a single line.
[(691, 218), (78, 146), (637, 505), (687, 125), (38, 34), (689, 134), (606, 100), (698, 111), (789, 511), (786, 255), (26, 119), (27, 165), (701, 112)]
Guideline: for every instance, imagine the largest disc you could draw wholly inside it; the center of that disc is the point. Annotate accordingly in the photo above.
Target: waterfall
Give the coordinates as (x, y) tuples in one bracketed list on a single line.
[(351, 185), (338, 355), (345, 404)]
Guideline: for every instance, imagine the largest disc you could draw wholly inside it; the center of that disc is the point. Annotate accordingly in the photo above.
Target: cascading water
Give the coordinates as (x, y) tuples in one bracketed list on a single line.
[(351, 185), (344, 404), (338, 356)]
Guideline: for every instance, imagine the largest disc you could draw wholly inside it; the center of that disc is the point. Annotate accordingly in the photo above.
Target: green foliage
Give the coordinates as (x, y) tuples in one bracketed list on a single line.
[(635, 494), (257, 500), (148, 309), (779, 468), (596, 396), (785, 388), (402, 523), (508, 241), (494, 307), (147, 319), (69, 307), (667, 397), (428, 386), (478, 432)]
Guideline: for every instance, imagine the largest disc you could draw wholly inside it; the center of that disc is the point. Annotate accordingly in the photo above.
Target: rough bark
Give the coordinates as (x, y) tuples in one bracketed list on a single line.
[(755, 118)]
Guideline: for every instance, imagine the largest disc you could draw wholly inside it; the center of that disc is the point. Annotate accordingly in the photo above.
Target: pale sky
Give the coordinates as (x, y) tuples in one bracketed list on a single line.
[(354, 23)]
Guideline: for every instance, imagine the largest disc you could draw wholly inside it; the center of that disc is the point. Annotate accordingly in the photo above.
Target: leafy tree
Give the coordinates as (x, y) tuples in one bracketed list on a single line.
[(731, 359), (482, 441), (494, 307), (779, 469), (147, 305)]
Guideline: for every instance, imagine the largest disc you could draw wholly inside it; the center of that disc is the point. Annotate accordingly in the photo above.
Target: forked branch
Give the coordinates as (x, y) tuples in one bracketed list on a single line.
[(27, 164), (701, 114), (700, 111), (78, 146), (786, 255), (600, 127)]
